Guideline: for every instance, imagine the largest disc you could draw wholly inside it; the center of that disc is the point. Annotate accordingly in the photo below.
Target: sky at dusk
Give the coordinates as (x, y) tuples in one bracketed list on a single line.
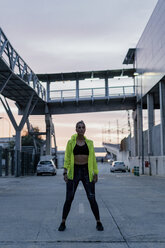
[(71, 35)]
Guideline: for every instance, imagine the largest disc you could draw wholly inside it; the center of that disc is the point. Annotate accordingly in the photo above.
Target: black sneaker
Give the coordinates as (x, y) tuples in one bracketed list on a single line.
[(62, 227), (99, 226)]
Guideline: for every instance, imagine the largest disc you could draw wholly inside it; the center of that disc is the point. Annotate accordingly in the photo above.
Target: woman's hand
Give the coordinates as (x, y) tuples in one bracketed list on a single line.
[(65, 178), (95, 178)]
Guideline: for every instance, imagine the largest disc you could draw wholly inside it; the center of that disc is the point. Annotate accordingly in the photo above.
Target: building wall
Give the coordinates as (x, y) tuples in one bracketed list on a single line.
[(150, 51), (157, 162), (130, 145), (157, 165), (156, 140)]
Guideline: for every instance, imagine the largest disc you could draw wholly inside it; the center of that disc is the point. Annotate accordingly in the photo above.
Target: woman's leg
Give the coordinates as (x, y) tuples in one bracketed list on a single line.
[(71, 187), (90, 191)]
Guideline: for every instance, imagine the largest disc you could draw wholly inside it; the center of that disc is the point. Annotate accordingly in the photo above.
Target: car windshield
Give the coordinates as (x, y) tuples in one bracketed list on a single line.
[(45, 162), (119, 163)]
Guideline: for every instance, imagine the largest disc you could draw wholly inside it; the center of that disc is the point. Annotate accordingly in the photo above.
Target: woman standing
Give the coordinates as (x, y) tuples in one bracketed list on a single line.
[(80, 165)]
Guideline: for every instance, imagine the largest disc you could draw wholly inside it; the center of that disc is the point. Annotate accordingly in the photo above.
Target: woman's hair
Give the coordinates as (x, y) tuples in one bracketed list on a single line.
[(79, 122)]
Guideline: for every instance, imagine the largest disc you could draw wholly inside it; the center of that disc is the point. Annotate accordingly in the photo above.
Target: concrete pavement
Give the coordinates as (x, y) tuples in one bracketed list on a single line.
[(131, 209)]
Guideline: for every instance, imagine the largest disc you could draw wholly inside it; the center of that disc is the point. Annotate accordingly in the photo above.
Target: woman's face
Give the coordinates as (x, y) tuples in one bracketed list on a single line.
[(80, 129)]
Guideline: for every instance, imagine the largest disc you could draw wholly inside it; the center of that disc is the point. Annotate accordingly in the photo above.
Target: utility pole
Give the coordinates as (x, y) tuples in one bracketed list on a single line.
[(109, 132)]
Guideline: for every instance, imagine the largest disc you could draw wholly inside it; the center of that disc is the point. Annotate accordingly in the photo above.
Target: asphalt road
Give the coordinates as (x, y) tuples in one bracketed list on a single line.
[(132, 211)]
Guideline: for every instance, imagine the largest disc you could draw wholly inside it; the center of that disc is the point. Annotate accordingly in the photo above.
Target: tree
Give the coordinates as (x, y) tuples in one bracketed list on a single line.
[(27, 139)]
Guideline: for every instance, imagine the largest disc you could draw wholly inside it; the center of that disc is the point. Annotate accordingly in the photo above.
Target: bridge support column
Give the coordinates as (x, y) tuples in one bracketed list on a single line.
[(140, 134), (77, 90), (18, 153), (134, 115), (48, 90), (139, 129), (106, 87), (18, 128), (150, 107), (162, 116), (48, 121)]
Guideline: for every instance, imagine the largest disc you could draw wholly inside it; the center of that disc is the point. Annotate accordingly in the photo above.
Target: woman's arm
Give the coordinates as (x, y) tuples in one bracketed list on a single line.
[(95, 167), (65, 175), (67, 160), (95, 178)]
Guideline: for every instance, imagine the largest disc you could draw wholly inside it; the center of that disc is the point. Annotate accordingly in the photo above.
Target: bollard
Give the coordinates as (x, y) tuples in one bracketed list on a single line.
[(136, 170)]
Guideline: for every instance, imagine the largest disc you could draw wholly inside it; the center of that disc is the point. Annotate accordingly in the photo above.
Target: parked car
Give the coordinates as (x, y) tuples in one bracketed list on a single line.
[(108, 158), (46, 167), (110, 161), (118, 166)]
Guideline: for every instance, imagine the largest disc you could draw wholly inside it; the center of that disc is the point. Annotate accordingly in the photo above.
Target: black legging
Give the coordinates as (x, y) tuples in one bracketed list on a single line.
[(80, 174)]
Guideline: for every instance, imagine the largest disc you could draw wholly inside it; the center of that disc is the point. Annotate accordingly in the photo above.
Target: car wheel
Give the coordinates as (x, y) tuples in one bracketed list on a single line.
[(38, 174)]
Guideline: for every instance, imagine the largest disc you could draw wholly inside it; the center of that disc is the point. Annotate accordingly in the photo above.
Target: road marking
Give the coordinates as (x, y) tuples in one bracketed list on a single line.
[(81, 208)]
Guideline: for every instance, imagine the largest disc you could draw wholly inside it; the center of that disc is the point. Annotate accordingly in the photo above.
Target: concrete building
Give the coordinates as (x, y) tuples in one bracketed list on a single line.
[(148, 58)]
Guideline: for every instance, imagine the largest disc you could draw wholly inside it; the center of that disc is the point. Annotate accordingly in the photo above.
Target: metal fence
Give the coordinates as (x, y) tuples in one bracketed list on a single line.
[(7, 162), (91, 93)]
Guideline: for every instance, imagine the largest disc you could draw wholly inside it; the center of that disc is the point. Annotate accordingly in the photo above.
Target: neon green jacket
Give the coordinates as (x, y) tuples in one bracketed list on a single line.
[(69, 158)]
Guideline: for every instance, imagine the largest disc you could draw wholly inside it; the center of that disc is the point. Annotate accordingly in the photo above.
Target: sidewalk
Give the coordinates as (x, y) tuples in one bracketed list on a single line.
[(131, 209)]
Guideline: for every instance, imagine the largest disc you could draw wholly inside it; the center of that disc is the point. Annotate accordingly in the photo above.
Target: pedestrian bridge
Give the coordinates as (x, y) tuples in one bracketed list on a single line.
[(18, 82), (113, 149), (89, 99)]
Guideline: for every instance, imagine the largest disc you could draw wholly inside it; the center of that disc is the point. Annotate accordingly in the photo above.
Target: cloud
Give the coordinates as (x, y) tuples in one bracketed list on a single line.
[(72, 125), (61, 35), (13, 108), (2, 110)]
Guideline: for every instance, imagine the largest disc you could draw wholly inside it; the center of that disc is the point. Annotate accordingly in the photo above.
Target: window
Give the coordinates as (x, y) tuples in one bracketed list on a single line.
[(45, 162)]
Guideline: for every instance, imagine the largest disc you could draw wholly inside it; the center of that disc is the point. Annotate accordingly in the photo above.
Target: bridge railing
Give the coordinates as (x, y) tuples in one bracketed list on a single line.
[(91, 93), (19, 67)]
